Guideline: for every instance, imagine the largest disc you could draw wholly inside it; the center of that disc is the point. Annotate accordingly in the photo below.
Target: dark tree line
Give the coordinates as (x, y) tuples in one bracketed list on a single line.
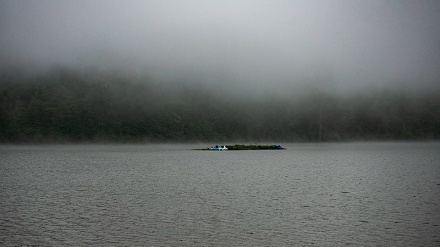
[(65, 105)]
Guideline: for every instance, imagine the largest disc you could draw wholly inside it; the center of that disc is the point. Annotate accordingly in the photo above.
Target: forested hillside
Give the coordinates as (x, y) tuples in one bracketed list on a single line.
[(64, 106)]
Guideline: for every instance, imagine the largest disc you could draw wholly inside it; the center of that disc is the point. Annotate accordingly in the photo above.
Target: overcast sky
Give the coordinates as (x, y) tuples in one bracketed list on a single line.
[(343, 43)]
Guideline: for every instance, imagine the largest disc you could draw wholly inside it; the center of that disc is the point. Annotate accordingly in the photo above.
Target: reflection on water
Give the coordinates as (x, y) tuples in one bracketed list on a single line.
[(310, 194)]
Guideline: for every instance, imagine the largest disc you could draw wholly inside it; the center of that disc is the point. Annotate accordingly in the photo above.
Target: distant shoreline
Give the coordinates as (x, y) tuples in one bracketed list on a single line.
[(195, 143)]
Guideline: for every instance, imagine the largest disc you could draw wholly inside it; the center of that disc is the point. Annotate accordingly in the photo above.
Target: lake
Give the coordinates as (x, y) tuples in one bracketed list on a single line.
[(311, 194)]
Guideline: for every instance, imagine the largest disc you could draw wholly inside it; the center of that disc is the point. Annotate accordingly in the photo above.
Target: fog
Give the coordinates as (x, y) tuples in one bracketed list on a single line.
[(340, 45)]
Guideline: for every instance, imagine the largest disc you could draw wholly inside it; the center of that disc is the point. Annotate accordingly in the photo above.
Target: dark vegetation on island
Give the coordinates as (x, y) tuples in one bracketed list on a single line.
[(254, 147), (63, 105)]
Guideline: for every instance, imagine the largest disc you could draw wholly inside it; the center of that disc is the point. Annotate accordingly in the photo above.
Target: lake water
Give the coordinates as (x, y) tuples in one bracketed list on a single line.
[(354, 194)]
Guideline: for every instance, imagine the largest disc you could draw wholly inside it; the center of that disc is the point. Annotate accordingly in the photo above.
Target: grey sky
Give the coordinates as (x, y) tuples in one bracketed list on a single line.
[(336, 42)]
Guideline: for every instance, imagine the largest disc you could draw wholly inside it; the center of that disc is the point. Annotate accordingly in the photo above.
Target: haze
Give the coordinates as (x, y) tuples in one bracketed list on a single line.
[(338, 45)]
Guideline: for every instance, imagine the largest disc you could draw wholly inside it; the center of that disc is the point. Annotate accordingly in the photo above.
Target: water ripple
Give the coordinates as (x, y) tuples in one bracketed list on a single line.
[(365, 194)]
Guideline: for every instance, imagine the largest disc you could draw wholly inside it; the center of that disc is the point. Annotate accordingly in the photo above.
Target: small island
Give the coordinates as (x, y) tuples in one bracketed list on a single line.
[(242, 147)]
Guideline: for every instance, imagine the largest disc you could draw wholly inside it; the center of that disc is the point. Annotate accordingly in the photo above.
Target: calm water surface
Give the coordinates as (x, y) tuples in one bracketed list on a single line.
[(355, 194)]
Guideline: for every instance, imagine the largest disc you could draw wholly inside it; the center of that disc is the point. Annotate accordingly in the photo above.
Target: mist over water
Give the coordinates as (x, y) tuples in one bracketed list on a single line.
[(335, 45), (229, 70)]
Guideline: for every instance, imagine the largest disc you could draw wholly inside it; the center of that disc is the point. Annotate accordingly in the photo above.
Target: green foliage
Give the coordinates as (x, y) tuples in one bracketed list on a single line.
[(63, 105)]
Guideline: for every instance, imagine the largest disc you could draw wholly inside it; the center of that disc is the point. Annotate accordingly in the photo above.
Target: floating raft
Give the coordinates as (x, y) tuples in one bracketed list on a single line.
[(250, 147)]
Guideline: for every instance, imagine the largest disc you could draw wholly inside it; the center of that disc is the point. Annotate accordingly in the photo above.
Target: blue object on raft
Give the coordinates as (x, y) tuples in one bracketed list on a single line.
[(218, 148)]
